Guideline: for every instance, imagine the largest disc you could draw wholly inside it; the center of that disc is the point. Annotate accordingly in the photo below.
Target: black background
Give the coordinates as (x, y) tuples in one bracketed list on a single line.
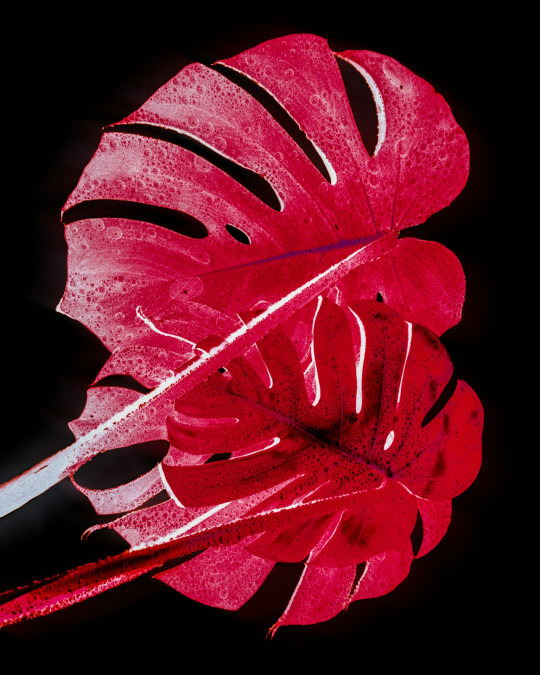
[(67, 78)]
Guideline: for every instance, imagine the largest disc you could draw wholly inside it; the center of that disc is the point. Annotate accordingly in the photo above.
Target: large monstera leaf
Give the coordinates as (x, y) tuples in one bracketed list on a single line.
[(135, 285), (181, 265), (336, 481)]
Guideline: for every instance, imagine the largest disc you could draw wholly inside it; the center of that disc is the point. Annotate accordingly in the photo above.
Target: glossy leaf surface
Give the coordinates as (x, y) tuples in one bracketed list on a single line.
[(150, 294)]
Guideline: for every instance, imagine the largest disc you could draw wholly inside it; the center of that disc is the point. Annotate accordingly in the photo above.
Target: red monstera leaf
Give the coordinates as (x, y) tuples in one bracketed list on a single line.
[(151, 294), (377, 379), (336, 481)]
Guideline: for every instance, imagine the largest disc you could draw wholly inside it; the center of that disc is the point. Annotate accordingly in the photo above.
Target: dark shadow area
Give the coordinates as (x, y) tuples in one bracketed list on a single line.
[(179, 222), (121, 465), (238, 234), (362, 104)]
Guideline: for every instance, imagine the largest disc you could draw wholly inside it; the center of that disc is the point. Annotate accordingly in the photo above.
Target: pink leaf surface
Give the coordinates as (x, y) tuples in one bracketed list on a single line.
[(322, 592), (383, 573), (224, 577), (436, 516)]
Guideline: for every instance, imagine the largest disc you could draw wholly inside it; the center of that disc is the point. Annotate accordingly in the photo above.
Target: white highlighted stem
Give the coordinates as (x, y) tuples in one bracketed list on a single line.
[(20, 490), (142, 316), (409, 340), (314, 360), (359, 360)]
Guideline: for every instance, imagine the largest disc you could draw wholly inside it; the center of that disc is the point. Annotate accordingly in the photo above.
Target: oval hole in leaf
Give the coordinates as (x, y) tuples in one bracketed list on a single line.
[(443, 399), (281, 116), (219, 457), (362, 104), (179, 222), (121, 465), (417, 535), (238, 234), (125, 381), (252, 181), (160, 498), (360, 569)]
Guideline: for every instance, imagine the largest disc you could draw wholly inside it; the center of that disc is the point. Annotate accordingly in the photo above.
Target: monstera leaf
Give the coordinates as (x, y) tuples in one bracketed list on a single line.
[(336, 481), (205, 233), (376, 378), (134, 284)]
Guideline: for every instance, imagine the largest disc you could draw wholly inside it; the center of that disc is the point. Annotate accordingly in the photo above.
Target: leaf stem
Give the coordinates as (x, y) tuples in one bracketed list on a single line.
[(20, 490), (91, 579)]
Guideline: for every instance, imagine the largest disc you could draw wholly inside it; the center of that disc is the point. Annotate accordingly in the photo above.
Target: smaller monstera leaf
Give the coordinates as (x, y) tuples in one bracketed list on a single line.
[(361, 433), (329, 467)]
